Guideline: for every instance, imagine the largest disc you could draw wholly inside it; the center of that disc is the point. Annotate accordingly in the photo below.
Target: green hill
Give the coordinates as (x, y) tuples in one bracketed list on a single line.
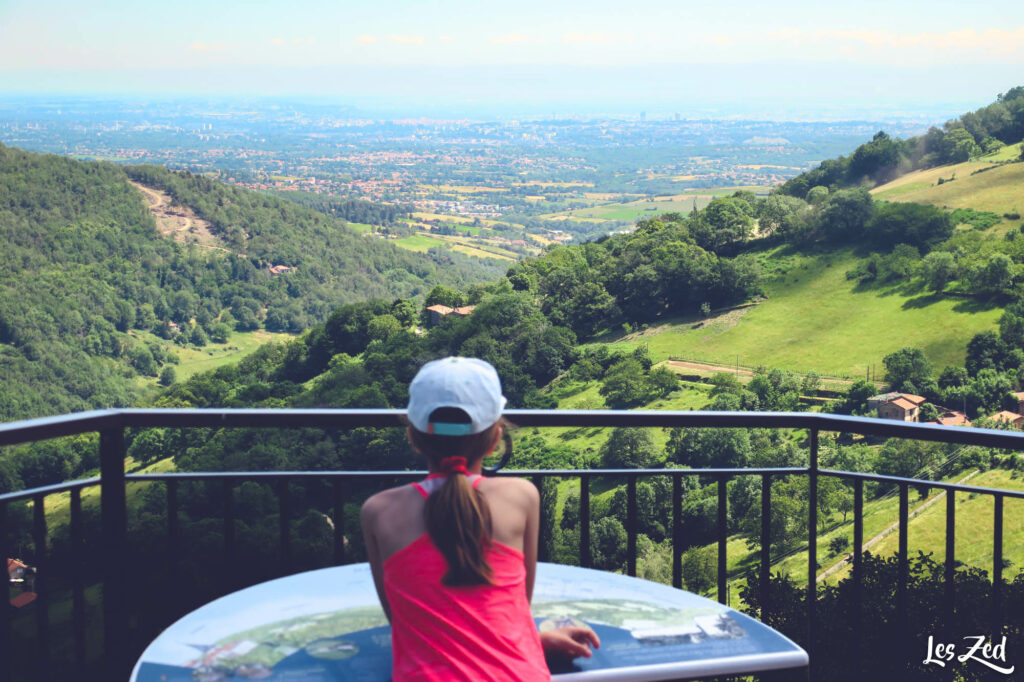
[(85, 263), (988, 183), (815, 319)]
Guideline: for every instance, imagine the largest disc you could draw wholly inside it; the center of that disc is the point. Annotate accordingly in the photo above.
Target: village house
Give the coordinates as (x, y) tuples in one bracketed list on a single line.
[(951, 418), (19, 573), (904, 407), (1019, 397), (1012, 418), (437, 312)]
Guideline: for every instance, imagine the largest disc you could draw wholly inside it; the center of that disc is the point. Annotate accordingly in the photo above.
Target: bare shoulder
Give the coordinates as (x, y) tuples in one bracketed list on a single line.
[(518, 489), (383, 501)]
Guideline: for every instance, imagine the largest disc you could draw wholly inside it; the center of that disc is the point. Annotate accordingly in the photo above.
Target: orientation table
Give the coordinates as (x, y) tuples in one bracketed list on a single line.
[(327, 625)]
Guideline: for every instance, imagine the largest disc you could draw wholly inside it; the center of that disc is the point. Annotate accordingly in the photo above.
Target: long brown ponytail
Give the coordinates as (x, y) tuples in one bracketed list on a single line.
[(458, 518)]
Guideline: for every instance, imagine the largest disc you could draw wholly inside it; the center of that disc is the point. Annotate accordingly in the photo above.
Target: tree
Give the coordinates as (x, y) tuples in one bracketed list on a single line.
[(442, 295), (698, 448), (907, 365), (382, 327), (168, 376), (609, 544), (938, 268), (628, 448), (700, 568), (625, 385), (817, 195), (220, 333), (845, 214)]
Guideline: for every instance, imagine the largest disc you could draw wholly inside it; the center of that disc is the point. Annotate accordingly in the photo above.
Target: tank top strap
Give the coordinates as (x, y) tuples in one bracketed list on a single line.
[(433, 482)]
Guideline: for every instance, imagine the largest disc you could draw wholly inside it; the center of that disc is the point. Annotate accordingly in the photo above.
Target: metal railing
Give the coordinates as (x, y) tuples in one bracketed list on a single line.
[(112, 424)]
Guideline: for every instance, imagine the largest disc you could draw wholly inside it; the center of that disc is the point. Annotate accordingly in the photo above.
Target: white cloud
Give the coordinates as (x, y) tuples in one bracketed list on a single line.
[(366, 39), (595, 38), (207, 47), (407, 40), (510, 39), (277, 41)]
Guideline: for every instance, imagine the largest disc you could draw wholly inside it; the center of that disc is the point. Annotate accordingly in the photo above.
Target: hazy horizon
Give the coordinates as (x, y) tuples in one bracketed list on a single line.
[(730, 58)]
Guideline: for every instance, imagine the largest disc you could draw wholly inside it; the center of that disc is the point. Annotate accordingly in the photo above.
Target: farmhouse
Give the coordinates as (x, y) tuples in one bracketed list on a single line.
[(904, 407), (1011, 418), (437, 312), (952, 418)]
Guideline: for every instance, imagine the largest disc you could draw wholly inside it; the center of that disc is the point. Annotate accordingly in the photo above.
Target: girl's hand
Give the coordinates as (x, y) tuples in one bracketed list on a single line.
[(570, 642)]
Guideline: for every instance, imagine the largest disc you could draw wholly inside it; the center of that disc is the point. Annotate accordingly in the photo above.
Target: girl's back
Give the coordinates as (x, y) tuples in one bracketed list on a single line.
[(444, 632)]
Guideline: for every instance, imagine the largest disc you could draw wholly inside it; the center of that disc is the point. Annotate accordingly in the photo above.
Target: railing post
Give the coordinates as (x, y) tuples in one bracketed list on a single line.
[(114, 523), (78, 579), (677, 531), (42, 587), (228, 495), (902, 565), (858, 571), (766, 542), (997, 567), (542, 537), (812, 542), (950, 572), (339, 521), (631, 526), (284, 506), (586, 556), (723, 533), (5, 594)]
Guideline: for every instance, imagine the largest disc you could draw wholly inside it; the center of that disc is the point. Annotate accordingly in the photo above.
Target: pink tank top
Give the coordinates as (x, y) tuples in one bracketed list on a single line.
[(480, 632)]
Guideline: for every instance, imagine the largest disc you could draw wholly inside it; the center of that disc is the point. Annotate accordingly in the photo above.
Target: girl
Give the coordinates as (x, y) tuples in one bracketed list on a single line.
[(454, 556)]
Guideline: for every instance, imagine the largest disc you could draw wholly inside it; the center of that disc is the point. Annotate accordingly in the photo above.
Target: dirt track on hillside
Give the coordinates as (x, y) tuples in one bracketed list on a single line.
[(180, 223)]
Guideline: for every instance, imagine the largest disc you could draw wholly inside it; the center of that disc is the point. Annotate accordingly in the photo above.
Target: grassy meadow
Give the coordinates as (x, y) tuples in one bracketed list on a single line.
[(813, 318), (213, 355), (997, 188)]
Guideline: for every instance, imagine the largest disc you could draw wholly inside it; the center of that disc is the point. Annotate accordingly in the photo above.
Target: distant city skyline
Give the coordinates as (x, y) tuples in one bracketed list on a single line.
[(729, 57)]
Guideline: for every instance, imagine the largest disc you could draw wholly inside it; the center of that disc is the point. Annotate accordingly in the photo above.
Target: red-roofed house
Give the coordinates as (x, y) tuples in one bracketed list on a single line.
[(952, 418), (436, 312), (904, 407), (439, 311), (16, 570), (1012, 418)]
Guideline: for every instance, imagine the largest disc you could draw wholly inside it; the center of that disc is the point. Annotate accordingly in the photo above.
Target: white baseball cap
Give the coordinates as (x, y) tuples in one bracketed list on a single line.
[(469, 384)]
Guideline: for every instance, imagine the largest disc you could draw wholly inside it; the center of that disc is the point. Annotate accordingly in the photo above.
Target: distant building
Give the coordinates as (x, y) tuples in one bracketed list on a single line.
[(1020, 401), (904, 407), (1012, 418), (19, 573), (437, 312), (951, 418)]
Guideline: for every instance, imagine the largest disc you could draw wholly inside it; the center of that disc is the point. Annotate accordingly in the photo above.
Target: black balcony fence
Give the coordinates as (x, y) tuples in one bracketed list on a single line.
[(114, 597)]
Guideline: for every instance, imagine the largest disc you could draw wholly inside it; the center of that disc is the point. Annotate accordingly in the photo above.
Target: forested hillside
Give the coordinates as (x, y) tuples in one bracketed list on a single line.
[(84, 265), (979, 132)]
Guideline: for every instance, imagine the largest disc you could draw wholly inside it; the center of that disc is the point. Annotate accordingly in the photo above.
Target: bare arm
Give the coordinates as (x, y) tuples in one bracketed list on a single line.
[(373, 554)]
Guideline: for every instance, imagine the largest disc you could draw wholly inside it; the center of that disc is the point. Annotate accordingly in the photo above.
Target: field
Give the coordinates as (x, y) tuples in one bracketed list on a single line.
[(815, 319), (419, 242), (635, 210), (211, 356), (999, 189), (362, 228)]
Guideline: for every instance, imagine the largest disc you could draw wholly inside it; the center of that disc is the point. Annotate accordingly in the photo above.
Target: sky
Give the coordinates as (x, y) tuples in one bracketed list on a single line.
[(656, 54)]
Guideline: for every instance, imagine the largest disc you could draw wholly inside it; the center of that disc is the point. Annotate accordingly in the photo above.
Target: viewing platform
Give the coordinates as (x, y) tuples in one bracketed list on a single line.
[(117, 579)]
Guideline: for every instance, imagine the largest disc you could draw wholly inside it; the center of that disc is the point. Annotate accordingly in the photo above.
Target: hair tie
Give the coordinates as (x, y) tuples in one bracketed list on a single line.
[(453, 465)]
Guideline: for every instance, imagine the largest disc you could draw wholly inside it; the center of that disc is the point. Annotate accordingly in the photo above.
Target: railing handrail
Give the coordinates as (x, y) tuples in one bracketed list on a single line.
[(112, 424), (23, 431)]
